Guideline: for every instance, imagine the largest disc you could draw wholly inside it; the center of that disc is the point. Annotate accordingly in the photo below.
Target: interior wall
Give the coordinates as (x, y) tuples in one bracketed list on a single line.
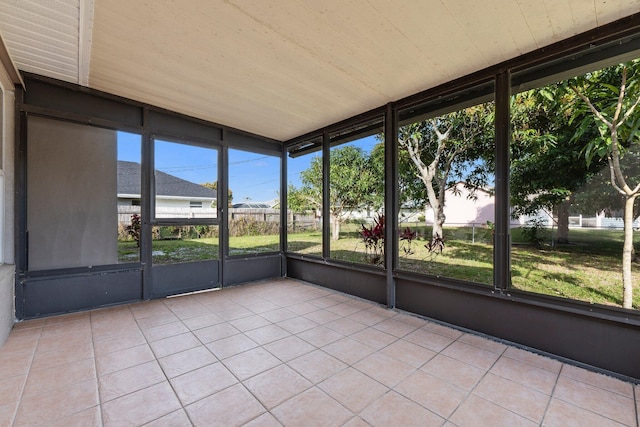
[(7, 267), (72, 195)]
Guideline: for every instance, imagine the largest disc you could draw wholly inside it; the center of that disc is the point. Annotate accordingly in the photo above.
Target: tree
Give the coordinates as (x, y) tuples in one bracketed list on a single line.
[(546, 167), (444, 150), (612, 95), (214, 185), (351, 185)]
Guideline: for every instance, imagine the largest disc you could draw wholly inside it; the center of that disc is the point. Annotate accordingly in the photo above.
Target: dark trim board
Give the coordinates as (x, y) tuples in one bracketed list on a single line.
[(251, 269), (370, 285), (609, 346), (64, 294), (174, 279)]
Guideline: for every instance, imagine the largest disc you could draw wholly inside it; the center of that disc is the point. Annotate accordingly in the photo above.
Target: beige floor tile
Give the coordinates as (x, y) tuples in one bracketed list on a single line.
[(267, 334), (44, 409), (128, 380), (453, 371), (323, 316), (28, 324), (296, 325), (345, 308), (410, 319), (264, 420), (428, 339), (311, 408), (278, 315), (374, 338), (289, 348), (603, 402), (175, 344), (368, 317), (140, 407), (328, 300), (149, 309), (472, 355), (11, 389), (320, 336), (598, 380), (203, 382), (178, 418), (233, 406), (120, 342), (525, 374), (515, 397), (353, 389), (21, 341), (395, 327), (384, 369), (202, 321), (409, 353), (7, 413), (230, 346), (185, 361), (483, 343), (91, 417), (476, 411), (234, 313), (215, 332), (250, 322), (345, 326), (48, 380), (348, 350), (542, 362), (123, 359), (55, 342), (317, 366), (12, 364), (563, 414), (302, 308), (447, 331), (251, 362), (432, 393), (357, 422), (276, 385), (393, 409), (75, 353), (167, 330), (261, 307), (157, 320)]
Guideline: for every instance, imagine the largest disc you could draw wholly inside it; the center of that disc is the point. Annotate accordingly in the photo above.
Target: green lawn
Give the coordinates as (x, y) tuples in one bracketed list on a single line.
[(587, 269)]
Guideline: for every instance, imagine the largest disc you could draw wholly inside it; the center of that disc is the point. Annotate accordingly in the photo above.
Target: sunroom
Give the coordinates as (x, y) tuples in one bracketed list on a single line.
[(324, 212)]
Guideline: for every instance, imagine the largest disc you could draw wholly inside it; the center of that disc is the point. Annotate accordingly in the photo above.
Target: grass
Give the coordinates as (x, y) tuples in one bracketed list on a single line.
[(588, 269)]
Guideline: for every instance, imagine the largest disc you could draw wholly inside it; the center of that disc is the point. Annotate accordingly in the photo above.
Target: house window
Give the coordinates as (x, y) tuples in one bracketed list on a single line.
[(193, 204), (135, 202)]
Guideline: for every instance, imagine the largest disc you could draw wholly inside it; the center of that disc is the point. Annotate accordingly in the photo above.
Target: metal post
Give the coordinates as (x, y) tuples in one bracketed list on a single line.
[(326, 201), (501, 249), (390, 202)]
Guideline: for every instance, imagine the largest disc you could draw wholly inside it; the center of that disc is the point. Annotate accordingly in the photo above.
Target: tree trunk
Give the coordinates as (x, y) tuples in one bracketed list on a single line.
[(627, 252), (335, 227), (438, 221), (563, 222)]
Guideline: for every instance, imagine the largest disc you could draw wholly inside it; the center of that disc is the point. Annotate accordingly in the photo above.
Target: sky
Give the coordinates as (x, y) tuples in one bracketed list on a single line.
[(252, 177)]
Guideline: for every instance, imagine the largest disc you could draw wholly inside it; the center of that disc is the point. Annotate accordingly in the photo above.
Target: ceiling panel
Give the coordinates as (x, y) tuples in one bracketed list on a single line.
[(281, 68)]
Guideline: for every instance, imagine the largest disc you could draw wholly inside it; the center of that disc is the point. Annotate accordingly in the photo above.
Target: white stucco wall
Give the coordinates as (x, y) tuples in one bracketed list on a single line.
[(7, 267)]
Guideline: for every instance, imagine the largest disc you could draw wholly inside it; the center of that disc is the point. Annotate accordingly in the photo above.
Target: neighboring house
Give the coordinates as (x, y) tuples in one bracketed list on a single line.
[(175, 197)]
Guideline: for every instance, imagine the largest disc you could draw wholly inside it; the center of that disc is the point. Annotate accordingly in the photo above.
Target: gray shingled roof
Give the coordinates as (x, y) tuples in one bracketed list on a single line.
[(166, 185)]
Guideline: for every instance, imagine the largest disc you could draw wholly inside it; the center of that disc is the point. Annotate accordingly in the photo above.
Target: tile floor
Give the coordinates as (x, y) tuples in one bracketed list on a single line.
[(286, 353)]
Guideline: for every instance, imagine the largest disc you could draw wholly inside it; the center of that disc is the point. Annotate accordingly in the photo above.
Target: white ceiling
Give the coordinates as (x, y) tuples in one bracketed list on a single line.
[(281, 68)]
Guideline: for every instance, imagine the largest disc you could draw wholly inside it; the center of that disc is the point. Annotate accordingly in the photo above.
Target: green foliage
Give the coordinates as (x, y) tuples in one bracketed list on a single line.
[(135, 228), (534, 232)]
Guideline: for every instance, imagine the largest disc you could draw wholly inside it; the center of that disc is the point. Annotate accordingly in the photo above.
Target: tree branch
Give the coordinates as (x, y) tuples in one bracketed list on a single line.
[(593, 109)]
